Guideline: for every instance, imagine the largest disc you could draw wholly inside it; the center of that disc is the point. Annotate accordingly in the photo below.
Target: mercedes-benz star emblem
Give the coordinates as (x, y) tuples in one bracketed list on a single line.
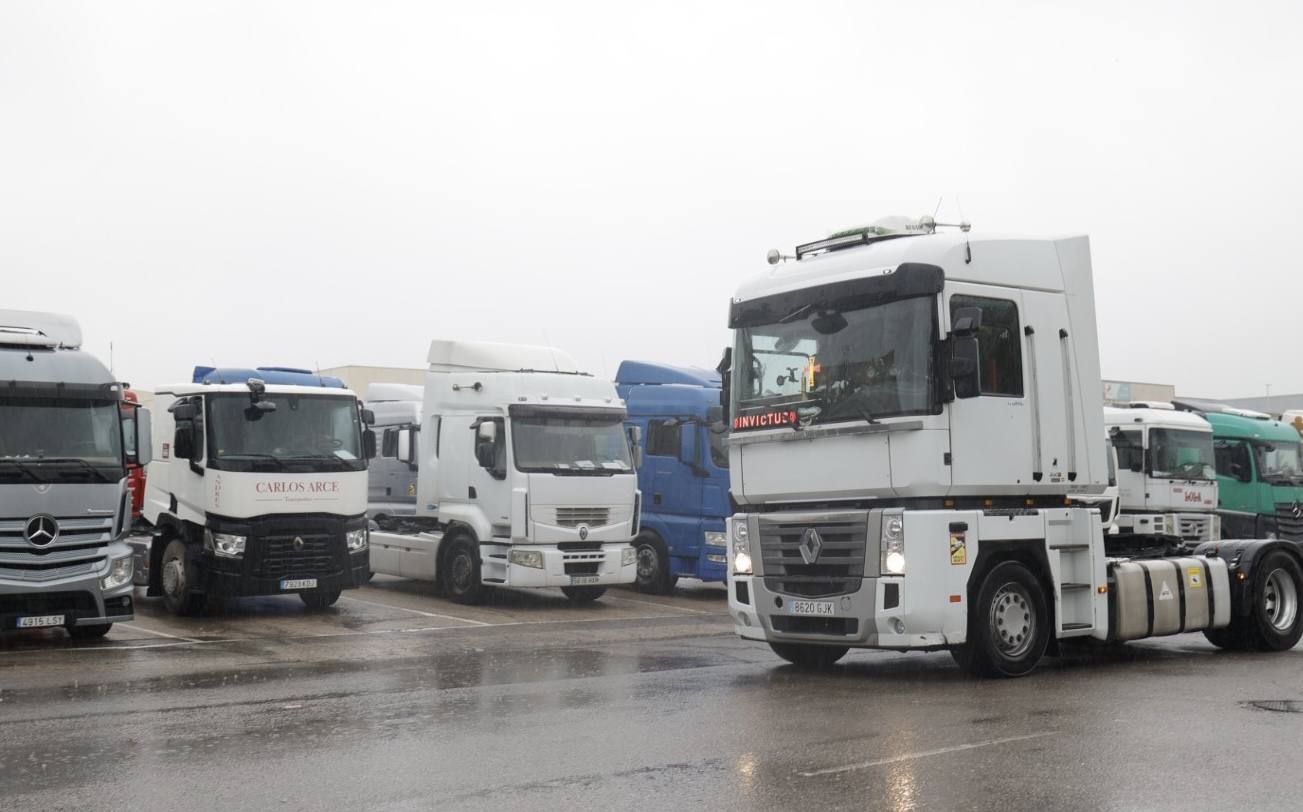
[(41, 530), (583, 532), (1297, 509), (810, 545), (298, 543)]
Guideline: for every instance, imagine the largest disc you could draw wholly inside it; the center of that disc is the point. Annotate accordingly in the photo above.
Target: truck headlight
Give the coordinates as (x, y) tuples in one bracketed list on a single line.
[(893, 544), (741, 548), (227, 545), (119, 573), (628, 557), (715, 538), (526, 558), (356, 540)]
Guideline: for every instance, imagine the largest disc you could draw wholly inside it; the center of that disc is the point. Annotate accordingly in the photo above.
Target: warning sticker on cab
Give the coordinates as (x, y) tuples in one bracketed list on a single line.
[(958, 548), (1194, 577)]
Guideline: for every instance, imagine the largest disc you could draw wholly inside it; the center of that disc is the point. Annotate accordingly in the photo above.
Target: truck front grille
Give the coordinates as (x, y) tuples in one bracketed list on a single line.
[(1195, 528), (575, 516), (815, 625), (837, 569), (1288, 525), (284, 555), (80, 604), (73, 531)]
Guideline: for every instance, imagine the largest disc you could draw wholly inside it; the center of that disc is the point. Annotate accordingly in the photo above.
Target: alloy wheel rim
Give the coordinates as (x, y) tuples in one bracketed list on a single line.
[(648, 563), (1280, 600)]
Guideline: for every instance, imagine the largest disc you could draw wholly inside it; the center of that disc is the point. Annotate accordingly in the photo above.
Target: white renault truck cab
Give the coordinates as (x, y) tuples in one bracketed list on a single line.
[(1167, 481), (255, 488), (526, 477)]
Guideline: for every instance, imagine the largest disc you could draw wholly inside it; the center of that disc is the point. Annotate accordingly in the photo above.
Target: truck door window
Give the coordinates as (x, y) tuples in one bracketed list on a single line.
[(1130, 449), (663, 440), (999, 341), (718, 445), (389, 443), (1232, 460)]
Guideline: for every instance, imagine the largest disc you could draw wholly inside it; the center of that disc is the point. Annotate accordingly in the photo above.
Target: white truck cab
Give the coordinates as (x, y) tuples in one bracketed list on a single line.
[(526, 477), (255, 488), (1167, 481)]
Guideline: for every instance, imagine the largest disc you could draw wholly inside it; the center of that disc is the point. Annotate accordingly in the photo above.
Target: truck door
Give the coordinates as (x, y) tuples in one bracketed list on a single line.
[(380, 469), (991, 434), (487, 475), (1131, 467), (663, 466)]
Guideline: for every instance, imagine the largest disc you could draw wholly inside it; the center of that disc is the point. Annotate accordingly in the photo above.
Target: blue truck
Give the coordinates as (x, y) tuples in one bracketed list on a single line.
[(684, 475)]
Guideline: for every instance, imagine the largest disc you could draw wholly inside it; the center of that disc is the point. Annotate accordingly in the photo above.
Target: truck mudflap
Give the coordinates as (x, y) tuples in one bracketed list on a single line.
[(1242, 557), (1162, 596)]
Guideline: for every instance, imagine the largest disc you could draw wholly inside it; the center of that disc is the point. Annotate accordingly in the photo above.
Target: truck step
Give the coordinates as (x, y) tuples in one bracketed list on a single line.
[(1077, 629), (1066, 585), (1070, 548)]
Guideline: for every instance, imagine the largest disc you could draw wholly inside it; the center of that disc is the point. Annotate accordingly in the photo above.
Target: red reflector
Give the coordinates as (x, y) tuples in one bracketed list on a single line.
[(956, 598)]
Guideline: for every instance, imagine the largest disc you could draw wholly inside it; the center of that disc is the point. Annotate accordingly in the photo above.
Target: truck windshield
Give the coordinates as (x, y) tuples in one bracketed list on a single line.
[(1181, 454), (575, 445), (304, 434), (840, 365), (1278, 462), (54, 439)]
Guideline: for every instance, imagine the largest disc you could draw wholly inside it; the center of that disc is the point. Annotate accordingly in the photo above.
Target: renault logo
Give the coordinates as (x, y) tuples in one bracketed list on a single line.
[(41, 530), (298, 543), (583, 532), (810, 545)]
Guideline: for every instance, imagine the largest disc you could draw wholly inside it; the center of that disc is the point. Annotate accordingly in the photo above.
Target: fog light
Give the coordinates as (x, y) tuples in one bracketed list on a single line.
[(897, 625), (527, 558)]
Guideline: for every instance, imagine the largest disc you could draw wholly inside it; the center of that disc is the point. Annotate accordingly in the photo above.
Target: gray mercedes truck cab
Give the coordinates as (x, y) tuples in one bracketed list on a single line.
[(64, 498)]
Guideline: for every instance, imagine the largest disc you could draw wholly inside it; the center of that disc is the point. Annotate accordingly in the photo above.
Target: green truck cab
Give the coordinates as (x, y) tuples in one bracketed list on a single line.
[(1259, 466)]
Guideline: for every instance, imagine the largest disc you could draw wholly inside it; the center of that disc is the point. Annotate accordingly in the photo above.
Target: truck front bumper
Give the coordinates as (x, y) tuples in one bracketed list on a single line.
[(611, 564), (81, 598), (876, 615), (229, 577)]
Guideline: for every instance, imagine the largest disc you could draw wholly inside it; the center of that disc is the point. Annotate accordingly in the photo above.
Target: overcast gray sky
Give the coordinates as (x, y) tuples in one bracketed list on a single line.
[(315, 183)]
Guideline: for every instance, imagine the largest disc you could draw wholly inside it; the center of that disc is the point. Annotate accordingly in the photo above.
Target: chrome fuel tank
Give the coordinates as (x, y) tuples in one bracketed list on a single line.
[(1160, 596)]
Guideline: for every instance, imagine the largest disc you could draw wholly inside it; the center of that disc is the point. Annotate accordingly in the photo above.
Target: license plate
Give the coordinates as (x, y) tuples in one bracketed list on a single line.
[(40, 621), (302, 583), (811, 607), (583, 580)]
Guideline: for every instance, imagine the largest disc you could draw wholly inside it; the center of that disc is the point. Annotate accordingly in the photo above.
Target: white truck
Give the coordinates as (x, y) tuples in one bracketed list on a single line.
[(392, 474), (257, 486), (910, 412), (65, 442), (1167, 481), (526, 477)]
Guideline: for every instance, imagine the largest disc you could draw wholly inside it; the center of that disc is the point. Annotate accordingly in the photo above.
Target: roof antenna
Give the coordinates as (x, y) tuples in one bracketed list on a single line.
[(937, 210)]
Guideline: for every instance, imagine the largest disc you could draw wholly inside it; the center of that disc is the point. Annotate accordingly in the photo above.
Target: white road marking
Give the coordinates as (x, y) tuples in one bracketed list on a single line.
[(609, 596), (136, 628), (414, 611), (940, 751)]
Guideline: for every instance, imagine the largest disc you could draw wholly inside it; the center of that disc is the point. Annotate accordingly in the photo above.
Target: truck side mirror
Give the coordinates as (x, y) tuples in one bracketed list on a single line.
[(183, 411), (183, 441), (726, 381), (486, 445), (144, 452), (634, 433), (405, 446), (966, 321), (368, 444), (965, 367), (368, 417)]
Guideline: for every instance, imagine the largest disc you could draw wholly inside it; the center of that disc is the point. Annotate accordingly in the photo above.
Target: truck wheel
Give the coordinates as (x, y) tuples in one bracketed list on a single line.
[(89, 632), (653, 565), (320, 598), (176, 575), (1225, 638), (810, 656), (461, 572), (583, 594), (1008, 625), (1274, 622)]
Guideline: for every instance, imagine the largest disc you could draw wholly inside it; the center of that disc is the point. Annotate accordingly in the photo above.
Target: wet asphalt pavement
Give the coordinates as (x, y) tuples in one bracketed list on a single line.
[(396, 699)]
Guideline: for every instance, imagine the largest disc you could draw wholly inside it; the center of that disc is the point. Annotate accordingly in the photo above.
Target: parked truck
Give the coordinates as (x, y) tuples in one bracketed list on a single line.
[(1166, 477), (392, 475), (135, 471), (1259, 470), (64, 498), (526, 477), (909, 411), (684, 475), (257, 486)]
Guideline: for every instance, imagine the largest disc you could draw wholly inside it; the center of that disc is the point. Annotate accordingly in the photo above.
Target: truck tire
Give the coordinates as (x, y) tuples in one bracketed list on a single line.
[(1274, 621), (1008, 624), (653, 573), (176, 574), (583, 594), (460, 572), (89, 632), (321, 598), (810, 656)]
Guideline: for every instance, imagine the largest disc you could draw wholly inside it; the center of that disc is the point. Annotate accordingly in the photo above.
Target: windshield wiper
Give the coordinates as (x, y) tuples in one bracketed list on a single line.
[(317, 458), (25, 468), (854, 406), (253, 456), (60, 460)]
